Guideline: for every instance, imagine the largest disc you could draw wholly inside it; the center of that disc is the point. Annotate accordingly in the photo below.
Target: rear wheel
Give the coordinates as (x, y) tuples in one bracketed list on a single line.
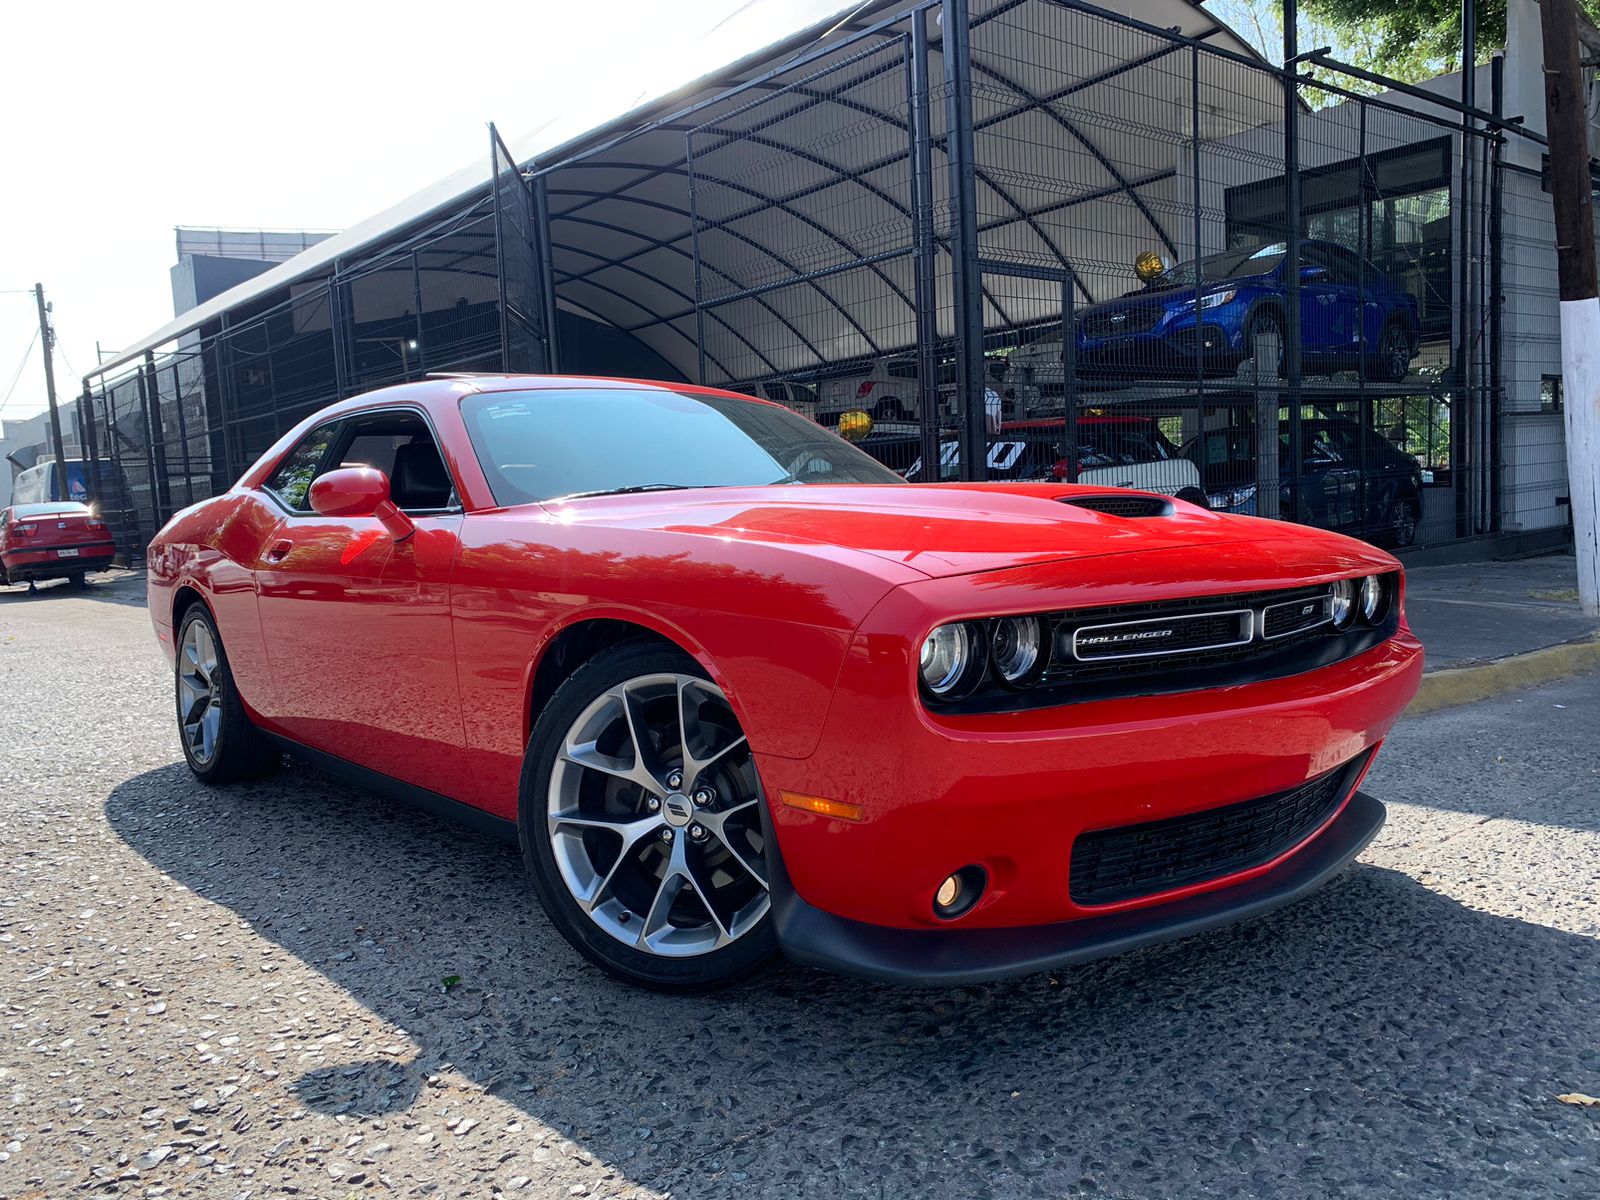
[(640, 822), (1393, 360), (1402, 523), (219, 742)]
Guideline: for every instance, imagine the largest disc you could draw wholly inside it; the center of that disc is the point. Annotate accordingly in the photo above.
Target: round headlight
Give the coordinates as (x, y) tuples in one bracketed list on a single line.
[(946, 654), (1374, 602), (1344, 606), (1015, 648)]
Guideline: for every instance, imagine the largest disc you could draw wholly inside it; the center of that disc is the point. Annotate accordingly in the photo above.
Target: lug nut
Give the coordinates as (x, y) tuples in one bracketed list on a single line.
[(653, 804), (666, 834), (703, 796), (697, 832), (674, 780)]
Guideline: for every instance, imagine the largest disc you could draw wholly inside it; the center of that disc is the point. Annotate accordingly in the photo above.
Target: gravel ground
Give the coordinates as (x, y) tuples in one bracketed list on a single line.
[(239, 992)]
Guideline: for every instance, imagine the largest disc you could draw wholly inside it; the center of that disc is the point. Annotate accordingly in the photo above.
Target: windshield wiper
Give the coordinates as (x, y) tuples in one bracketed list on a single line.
[(630, 490)]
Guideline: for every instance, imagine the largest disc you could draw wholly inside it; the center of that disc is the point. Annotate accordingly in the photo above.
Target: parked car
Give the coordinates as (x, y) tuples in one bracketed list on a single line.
[(1355, 480), (1157, 329), (1113, 450), (57, 539), (735, 687)]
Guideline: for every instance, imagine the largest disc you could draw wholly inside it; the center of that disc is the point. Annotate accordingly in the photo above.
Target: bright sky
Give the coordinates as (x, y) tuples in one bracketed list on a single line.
[(123, 120)]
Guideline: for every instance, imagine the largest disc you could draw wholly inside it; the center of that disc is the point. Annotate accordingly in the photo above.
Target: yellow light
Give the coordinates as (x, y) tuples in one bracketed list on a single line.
[(822, 806), (854, 425), (947, 893)]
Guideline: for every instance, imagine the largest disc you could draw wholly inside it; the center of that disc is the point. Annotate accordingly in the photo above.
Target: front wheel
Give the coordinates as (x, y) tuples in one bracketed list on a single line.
[(219, 742), (640, 822)]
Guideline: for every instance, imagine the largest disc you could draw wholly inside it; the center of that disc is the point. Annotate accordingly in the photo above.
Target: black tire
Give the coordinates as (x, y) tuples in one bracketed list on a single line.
[(1401, 523), (239, 750), (1392, 363), (80, 580), (705, 971)]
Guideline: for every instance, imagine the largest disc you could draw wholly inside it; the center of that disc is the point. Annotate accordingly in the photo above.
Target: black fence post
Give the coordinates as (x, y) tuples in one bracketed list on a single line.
[(967, 278), (1291, 259), (161, 488), (91, 444), (183, 436), (547, 273), (1494, 385), (925, 263)]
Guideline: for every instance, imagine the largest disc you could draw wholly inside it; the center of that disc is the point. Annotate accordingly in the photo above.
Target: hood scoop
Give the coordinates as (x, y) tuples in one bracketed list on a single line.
[(1123, 505)]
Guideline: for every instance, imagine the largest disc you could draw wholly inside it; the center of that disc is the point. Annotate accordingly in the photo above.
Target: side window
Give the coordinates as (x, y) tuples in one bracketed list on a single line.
[(401, 445), (291, 482)]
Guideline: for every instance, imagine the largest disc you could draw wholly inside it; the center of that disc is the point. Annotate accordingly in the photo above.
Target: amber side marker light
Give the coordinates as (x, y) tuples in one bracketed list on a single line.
[(822, 806)]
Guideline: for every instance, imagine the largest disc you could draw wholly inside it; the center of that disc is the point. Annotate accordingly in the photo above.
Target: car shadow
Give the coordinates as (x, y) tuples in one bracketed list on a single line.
[(1376, 1032), (117, 586)]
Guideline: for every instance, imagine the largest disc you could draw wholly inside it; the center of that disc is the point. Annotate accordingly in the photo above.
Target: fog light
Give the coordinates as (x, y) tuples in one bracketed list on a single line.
[(959, 892)]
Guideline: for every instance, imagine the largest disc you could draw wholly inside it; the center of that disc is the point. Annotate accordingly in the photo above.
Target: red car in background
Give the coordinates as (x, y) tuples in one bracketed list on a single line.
[(735, 688), (58, 539)]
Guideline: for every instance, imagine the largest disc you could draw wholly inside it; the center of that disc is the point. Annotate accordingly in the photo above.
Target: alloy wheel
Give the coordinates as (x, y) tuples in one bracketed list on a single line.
[(653, 815), (1396, 354), (1403, 524), (199, 692)]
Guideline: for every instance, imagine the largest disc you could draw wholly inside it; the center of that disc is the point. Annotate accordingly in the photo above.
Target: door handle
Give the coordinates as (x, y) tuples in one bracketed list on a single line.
[(279, 551)]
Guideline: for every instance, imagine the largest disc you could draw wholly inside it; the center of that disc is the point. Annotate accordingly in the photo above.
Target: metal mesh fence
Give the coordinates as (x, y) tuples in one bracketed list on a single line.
[(1056, 238)]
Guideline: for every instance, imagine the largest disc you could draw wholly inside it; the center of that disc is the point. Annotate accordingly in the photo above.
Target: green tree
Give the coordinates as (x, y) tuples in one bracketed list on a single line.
[(1410, 40)]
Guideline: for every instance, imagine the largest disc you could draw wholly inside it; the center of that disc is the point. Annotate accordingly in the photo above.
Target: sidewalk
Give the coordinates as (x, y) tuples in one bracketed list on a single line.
[(1478, 612), (1492, 627)]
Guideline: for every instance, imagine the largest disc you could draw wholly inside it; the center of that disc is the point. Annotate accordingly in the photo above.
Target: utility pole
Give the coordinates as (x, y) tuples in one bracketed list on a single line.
[(1567, 125), (47, 339)]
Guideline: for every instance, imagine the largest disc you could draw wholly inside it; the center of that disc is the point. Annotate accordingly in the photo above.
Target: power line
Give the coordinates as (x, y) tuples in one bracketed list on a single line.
[(26, 354)]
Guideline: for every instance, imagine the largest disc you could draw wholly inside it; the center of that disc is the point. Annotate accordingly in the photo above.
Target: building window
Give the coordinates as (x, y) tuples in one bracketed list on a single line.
[(1550, 393)]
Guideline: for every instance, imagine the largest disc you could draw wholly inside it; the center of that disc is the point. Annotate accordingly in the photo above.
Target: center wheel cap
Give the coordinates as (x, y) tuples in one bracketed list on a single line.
[(677, 810)]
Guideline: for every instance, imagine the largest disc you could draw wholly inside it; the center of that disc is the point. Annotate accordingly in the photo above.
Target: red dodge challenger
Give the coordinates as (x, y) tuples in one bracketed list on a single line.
[(735, 688)]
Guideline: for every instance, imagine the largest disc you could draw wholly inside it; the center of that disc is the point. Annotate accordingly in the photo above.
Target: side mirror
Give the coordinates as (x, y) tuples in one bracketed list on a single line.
[(1313, 274), (360, 492)]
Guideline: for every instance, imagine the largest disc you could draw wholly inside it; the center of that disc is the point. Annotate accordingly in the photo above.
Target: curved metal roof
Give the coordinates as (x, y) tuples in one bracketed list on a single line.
[(817, 177)]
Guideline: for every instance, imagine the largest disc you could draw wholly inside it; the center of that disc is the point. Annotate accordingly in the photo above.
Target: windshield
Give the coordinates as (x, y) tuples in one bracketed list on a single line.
[(60, 508), (549, 444), (1234, 264)]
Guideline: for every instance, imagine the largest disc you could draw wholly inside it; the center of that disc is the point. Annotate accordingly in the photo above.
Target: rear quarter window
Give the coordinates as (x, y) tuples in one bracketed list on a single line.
[(290, 482)]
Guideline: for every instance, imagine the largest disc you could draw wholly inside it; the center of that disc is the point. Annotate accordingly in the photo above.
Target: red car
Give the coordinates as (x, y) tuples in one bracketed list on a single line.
[(59, 539), (737, 688)]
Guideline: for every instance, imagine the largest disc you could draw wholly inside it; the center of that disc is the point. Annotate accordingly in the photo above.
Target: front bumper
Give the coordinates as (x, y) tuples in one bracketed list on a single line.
[(954, 957), (1011, 792)]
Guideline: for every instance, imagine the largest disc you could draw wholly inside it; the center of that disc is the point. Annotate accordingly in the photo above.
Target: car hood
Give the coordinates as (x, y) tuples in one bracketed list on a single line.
[(936, 530)]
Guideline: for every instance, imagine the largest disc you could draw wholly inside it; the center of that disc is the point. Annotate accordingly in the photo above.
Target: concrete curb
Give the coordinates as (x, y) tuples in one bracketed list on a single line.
[(1467, 685)]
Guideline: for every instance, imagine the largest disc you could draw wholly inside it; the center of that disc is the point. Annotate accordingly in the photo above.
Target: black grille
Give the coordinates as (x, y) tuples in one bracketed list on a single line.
[(1124, 506), (1293, 616), (1163, 635), (1209, 654), (1115, 322), (1111, 865)]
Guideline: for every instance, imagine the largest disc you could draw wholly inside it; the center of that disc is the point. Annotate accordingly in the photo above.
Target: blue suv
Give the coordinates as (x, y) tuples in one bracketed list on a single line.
[(1241, 313)]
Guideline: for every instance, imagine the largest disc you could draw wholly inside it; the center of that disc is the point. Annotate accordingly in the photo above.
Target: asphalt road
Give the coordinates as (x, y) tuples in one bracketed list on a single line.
[(239, 993)]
